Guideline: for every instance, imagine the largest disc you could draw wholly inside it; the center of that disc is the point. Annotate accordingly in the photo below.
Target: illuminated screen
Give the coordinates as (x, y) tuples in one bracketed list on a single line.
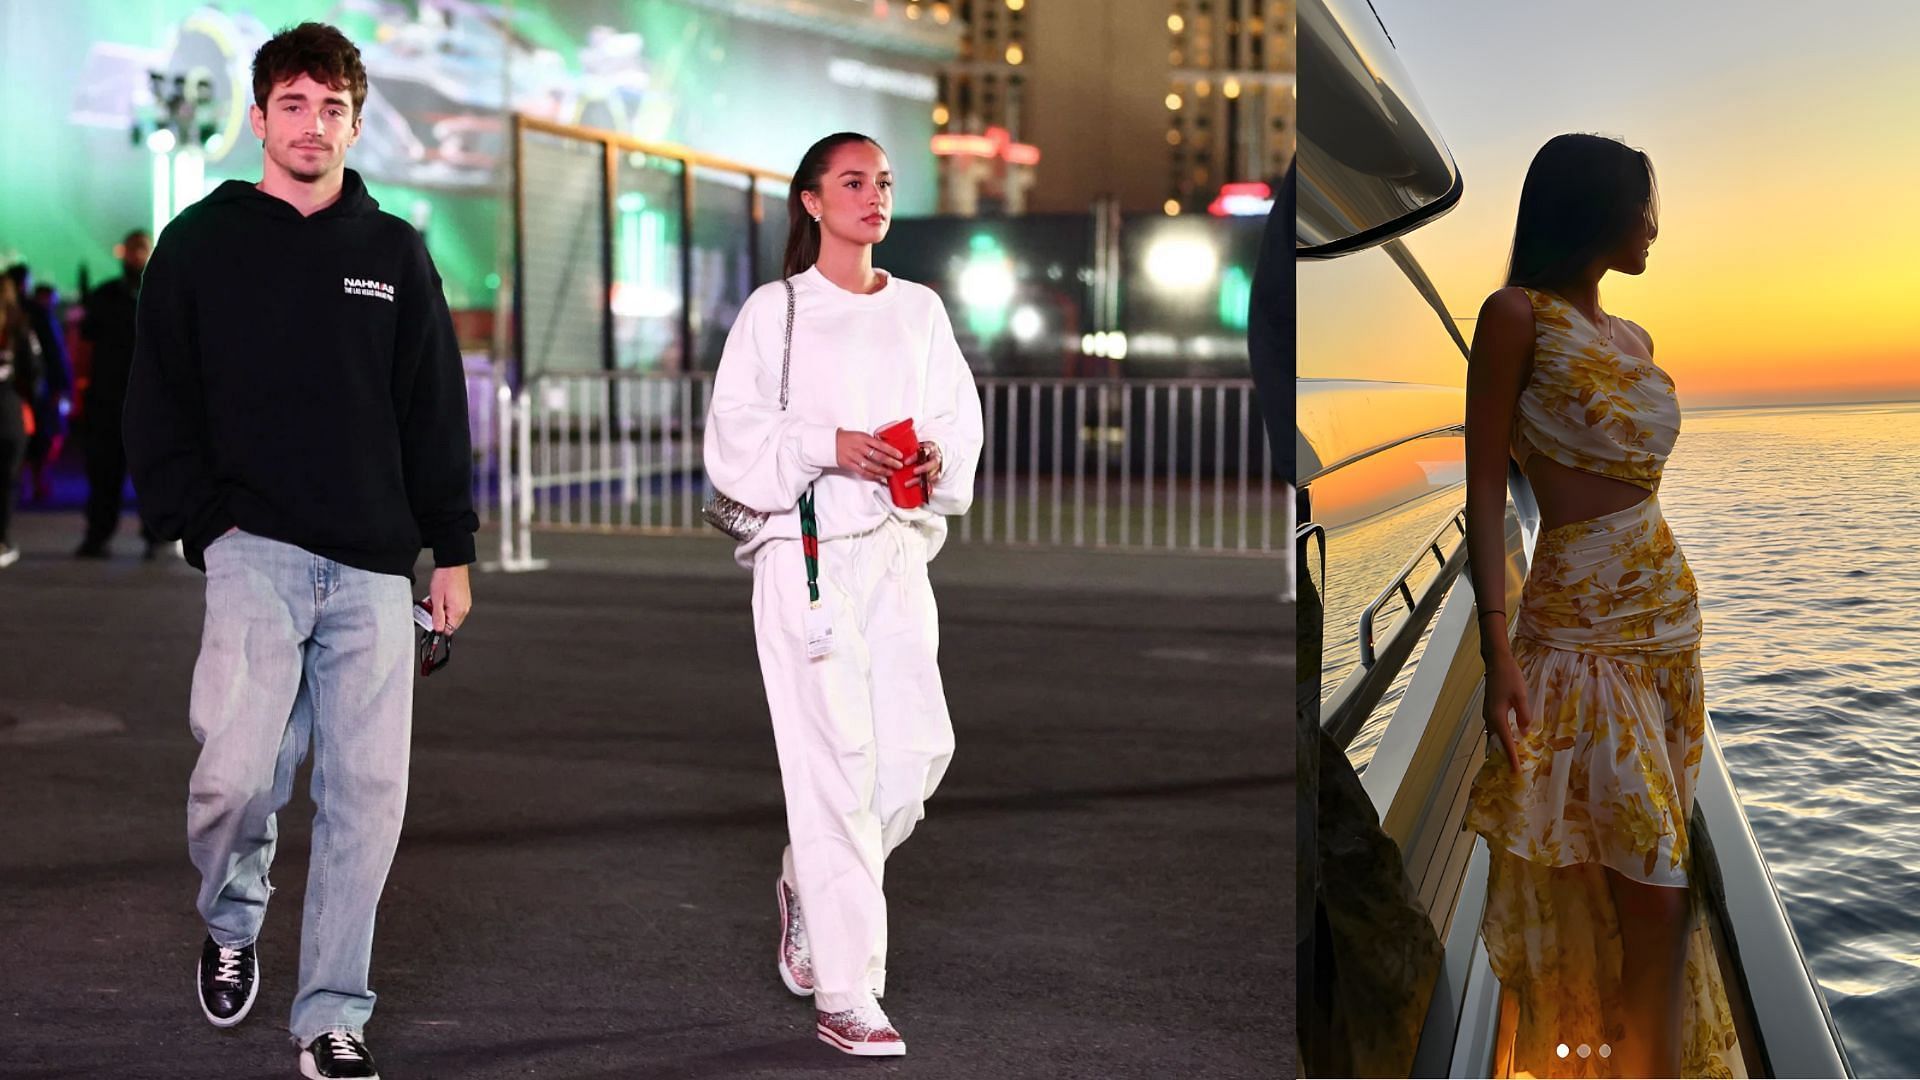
[(753, 87)]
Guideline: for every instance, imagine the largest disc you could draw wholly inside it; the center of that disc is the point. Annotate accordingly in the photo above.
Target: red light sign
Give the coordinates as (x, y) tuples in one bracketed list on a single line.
[(1242, 199), (995, 143)]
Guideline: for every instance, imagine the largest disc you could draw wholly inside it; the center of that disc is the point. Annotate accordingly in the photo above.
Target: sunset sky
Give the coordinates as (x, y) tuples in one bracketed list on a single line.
[(1783, 135)]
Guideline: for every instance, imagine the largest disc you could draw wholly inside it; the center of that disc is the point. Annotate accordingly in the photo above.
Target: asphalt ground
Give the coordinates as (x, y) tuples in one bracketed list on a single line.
[(1103, 886)]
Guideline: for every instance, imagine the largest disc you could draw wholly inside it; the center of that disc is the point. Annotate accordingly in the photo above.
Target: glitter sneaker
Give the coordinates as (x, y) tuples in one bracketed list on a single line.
[(796, 956), (865, 1032)]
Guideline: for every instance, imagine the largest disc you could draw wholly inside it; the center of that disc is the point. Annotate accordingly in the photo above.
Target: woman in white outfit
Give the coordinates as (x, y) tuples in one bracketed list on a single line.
[(848, 640)]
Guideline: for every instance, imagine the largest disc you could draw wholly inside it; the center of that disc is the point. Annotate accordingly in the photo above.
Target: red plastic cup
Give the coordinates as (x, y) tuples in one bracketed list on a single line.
[(900, 436)]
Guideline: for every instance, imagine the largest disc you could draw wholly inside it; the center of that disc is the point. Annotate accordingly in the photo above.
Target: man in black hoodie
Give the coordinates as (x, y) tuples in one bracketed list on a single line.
[(297, 415)]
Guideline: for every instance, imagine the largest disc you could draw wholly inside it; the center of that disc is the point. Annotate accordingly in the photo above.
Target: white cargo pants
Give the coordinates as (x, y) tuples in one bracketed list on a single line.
[(863, 736)]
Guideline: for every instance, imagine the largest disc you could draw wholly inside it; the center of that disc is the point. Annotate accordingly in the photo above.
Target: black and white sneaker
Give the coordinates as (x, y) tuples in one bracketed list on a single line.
[(337, 1054), (228, 979)]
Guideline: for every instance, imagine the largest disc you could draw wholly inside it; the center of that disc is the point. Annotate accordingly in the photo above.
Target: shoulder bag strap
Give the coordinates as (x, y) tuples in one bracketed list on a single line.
[(786, 352)]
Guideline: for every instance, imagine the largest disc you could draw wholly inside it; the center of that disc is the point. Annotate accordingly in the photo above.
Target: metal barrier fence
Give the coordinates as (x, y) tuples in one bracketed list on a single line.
[(630, 255), (1170, 466), (1151, 465)]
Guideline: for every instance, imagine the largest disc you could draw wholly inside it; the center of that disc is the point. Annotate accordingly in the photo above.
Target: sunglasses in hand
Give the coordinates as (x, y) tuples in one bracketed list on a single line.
[(435, 648)]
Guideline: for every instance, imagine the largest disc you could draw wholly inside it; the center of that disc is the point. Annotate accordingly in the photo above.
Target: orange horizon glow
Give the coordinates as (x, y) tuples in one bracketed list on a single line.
[(1787, 269)]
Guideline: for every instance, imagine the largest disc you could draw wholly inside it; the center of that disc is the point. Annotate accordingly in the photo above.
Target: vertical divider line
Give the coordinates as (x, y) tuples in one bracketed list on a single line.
[(1126, 465), (505, 432), (609, 183), (1266, 493), (524, 551), (1033, 462), (1013, 461), (608, 471), (683, 462), (1059, 443), (643, 450), (1247, 419), (1100, 457), (627, 477), (1148, 495), (1219, 465), (1079, 464), (545, 496), (1197, 466), (986, 527), (686, 266)]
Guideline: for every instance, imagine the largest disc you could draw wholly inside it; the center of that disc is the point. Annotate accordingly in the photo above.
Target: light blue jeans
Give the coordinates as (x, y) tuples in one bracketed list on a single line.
[(298, 647)]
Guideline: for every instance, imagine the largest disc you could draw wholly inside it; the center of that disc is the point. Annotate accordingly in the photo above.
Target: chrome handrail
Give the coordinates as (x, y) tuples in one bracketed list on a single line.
[(1346, 711), (1399, 583), (1319, 531)]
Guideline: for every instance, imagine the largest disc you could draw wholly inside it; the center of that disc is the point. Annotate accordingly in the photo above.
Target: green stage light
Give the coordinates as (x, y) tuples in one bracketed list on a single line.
[(1236, 292)]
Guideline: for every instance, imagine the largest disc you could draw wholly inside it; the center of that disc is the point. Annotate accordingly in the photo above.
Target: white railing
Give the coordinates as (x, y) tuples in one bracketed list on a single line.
[(1148, 465)]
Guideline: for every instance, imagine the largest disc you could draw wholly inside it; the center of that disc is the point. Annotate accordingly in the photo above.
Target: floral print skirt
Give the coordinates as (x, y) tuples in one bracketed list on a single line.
[(1607, 638)]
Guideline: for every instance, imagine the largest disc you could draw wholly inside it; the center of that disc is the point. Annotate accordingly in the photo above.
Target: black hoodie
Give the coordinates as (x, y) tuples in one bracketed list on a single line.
[(298, 377)]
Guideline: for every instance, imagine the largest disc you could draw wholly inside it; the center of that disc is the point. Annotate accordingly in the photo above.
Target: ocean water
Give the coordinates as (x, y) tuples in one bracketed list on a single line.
[(1802, 526)]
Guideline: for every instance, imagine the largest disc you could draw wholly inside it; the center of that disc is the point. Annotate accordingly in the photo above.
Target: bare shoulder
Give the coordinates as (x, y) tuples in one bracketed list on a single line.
[(1508, 307), (1503, 333), (1500, 361)]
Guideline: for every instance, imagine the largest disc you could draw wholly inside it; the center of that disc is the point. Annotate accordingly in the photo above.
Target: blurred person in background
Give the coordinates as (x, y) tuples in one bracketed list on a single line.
[(52, 393), (108, 326), (19, 371)]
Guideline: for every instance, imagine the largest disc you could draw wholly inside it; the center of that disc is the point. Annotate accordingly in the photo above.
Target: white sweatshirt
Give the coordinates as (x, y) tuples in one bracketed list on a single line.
[(859, 362)]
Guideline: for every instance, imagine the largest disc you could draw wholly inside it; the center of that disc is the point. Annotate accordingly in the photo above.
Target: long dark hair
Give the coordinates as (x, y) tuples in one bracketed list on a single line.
[(1582, 194), (803, 233)]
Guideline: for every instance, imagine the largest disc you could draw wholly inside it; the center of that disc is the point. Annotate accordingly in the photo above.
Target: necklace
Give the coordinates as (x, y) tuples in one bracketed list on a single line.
[(1606, 335)]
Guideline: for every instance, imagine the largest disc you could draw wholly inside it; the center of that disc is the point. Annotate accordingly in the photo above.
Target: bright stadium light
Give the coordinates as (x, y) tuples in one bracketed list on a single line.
[(1026, 323), (987, 282), (1182, 263)]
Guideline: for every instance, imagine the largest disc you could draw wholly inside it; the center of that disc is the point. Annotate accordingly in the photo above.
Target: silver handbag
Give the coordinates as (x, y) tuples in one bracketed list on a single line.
[(730, 516)]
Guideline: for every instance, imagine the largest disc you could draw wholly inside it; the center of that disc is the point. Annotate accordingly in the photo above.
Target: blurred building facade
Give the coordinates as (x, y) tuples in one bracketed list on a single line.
[(128, 110), (1052, 105), (1230, 97)]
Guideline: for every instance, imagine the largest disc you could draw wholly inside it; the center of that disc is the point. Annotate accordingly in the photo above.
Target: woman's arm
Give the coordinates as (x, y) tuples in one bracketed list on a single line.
[(1497, 371), (756, 452), (952, 423)]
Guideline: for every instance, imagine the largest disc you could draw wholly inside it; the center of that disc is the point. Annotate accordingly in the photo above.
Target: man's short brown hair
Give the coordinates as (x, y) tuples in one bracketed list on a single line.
[(315, 50)]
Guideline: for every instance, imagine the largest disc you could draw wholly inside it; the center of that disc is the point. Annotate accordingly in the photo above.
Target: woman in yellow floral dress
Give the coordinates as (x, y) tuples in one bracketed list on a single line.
[(1595, 705)]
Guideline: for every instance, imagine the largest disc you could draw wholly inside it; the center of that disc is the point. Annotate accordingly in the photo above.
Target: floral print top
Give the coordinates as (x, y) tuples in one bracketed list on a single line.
[(1589, 405)]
